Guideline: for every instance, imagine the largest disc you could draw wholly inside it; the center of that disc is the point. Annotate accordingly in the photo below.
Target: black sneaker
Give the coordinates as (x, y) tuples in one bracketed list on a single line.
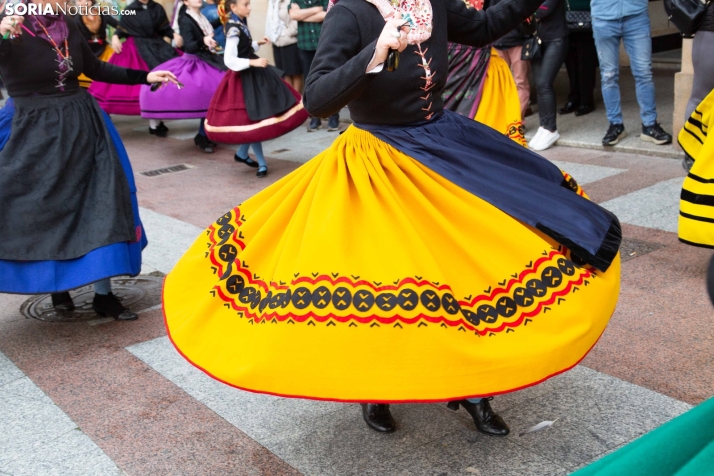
[(614, 133), (315, 124), (656, 134), (333, 123)]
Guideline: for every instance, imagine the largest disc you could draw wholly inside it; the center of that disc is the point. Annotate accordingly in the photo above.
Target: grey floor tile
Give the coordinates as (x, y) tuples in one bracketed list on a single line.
[(170, 237), (37, 438), (71, 454), (341, 444), (468, 452), (25, 423), (656, 206), (586, 173), (25, 388), (594, 414), (8, 371)]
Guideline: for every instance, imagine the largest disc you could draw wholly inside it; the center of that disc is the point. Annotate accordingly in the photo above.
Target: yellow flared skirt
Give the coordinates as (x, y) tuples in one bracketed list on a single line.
[(84, 81), (366, 276), (500, 107), (696, 206)]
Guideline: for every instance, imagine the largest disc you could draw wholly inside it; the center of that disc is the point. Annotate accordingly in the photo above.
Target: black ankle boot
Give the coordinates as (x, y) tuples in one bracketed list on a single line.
[(484, 417), (378, 417), (110, 305), (203, 143), (62, 302)]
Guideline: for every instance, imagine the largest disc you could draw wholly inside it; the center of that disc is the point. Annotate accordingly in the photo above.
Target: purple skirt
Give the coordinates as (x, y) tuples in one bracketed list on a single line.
[(200, 82)]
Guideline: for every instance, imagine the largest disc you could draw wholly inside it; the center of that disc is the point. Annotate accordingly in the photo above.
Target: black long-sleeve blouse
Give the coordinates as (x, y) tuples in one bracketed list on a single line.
[(149, 21), (97, 40), (39, 75), (349, 35)]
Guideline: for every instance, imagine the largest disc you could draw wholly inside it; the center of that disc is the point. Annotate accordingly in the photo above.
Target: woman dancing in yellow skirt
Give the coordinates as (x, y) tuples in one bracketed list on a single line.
[(480, 85), (423, 257), (696, 206)]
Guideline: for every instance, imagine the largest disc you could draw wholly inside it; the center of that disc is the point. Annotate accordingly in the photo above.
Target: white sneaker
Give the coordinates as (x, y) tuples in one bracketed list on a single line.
[(543, 139), (534, 139)]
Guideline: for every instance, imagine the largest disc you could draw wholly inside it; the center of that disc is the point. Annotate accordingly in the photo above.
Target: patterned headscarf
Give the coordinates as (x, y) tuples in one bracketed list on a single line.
[(417, 12)]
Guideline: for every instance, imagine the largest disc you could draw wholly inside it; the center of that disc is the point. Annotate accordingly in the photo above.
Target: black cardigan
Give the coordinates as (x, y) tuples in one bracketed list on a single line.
[(349, 35), (39, 76), (552, 24), (193, 44), (149, 21)]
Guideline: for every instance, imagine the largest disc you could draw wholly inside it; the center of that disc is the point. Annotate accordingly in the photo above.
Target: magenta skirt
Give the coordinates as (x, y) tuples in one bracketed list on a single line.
[(200, 82), (121, 98)]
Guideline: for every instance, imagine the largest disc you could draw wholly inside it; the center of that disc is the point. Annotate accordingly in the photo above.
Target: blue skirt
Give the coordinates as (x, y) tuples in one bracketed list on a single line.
[(512, 178), (118, 259)]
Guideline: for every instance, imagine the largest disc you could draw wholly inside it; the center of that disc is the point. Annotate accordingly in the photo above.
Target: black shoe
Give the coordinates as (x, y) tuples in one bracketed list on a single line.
[(162, 127), (568, 108), (656, 134), (486, 420), (315, 124), (584, 109), (614, 133), (62, 302), (202, 143), (247, 161), (687, 162), (157, 132), (378, 417), (262, 171), (110, 305), (211, 143), (333, 123)]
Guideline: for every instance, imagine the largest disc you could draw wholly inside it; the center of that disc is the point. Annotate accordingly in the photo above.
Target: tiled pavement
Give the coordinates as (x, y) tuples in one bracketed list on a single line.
[(113, 398)]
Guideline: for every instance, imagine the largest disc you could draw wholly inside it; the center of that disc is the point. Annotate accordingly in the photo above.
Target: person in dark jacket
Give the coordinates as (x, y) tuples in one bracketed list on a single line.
[(553, 33), (581, 64), (509, 48)]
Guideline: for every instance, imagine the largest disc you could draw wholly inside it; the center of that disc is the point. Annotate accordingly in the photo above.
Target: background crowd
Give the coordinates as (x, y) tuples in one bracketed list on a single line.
[(581, 35)]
